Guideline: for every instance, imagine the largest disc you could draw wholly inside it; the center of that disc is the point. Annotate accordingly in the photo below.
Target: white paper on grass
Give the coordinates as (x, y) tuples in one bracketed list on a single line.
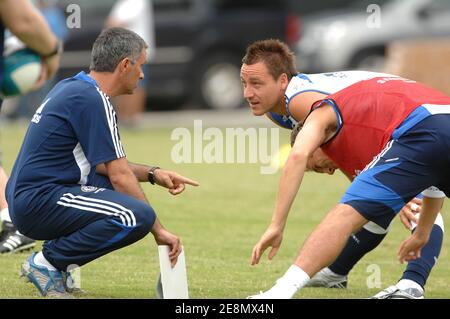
[(173, 280)]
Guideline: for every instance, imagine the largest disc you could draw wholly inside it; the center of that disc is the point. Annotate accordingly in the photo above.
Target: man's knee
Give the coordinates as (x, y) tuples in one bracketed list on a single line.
[(145, 217), (346, 214), (373, 228)]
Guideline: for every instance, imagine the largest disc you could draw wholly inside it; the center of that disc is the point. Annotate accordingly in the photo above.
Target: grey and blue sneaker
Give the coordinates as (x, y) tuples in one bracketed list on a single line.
[(49, 283), (69, 283), (328, 279)]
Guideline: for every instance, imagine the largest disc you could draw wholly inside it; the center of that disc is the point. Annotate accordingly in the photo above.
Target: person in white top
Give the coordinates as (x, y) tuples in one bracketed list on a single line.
[(137, 16)]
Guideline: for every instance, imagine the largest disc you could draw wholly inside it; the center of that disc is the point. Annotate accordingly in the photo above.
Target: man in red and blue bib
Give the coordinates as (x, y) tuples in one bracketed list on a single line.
[(399, 127)]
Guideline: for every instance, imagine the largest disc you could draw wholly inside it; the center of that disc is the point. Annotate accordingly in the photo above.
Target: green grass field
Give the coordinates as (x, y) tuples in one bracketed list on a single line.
[(219, 223)]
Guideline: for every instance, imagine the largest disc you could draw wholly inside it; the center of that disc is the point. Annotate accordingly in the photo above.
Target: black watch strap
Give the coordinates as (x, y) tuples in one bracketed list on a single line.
[(151, 174), (56, 50)]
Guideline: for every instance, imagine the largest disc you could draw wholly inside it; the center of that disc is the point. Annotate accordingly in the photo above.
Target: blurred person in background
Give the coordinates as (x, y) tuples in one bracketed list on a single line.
[(137, 16), (25, 106), (25, 22)]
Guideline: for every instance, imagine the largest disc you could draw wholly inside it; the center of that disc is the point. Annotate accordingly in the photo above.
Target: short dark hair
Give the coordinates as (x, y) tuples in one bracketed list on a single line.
[(112, 46), (275, 54)]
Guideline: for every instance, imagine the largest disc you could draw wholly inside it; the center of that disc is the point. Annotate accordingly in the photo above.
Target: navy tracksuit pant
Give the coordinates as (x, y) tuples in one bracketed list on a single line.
[(82, 223)]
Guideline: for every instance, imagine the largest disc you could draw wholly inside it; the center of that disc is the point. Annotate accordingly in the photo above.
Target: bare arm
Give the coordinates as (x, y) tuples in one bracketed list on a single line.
[(171, 180), (28, 24), (315, 132), (164, 237), (123, 179), (140, 171), (411, 247), (300, 105), (429, 212)]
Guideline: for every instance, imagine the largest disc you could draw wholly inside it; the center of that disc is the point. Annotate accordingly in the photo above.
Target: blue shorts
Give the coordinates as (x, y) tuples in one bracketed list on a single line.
[(410, 163)]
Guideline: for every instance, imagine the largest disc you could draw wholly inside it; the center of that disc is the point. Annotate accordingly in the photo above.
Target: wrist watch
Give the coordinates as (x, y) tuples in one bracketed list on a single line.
[(151, 174)]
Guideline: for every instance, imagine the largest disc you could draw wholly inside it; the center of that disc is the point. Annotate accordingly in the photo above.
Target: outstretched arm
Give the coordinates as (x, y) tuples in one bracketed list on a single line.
[(408, 213), (174, 182), (411, 247), (124, 180), (316, 130)]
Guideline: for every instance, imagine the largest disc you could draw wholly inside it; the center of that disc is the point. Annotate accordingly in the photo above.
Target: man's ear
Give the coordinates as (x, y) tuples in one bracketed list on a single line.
[(124, 64), (284, 81)]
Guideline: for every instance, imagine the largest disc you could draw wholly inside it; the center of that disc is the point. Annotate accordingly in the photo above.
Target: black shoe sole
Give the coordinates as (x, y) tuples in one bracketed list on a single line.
[(19, 249)]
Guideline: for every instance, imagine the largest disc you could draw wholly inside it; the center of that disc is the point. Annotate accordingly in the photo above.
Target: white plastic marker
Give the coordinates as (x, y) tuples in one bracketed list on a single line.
[(172, 282)]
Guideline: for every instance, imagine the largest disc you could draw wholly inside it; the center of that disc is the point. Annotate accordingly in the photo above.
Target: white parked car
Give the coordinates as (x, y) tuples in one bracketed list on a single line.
[(356, 37)]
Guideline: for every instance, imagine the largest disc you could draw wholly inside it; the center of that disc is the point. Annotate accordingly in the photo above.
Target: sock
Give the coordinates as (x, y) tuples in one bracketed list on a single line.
[(419, 270), (296, 276), (4, 215), (357, 246), (40, 260), (286, 287)]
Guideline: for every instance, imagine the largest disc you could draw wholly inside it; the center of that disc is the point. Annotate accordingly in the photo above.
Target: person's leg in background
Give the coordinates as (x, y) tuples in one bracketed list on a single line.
[(130, 107), (412, 283), (11, 240)]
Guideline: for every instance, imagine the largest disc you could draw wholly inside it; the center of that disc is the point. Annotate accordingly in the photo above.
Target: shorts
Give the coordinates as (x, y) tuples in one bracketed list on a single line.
[(413, 162)]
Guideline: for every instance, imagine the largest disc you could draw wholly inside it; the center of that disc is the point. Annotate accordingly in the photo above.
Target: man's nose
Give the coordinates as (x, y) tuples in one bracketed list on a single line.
[(248, 92)]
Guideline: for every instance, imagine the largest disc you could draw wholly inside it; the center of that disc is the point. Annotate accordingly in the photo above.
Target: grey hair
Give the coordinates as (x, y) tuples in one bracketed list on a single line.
[(112, 46)]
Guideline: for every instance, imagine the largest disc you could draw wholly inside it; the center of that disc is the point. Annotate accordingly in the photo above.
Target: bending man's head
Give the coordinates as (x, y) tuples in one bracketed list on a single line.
[(267, 68)]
